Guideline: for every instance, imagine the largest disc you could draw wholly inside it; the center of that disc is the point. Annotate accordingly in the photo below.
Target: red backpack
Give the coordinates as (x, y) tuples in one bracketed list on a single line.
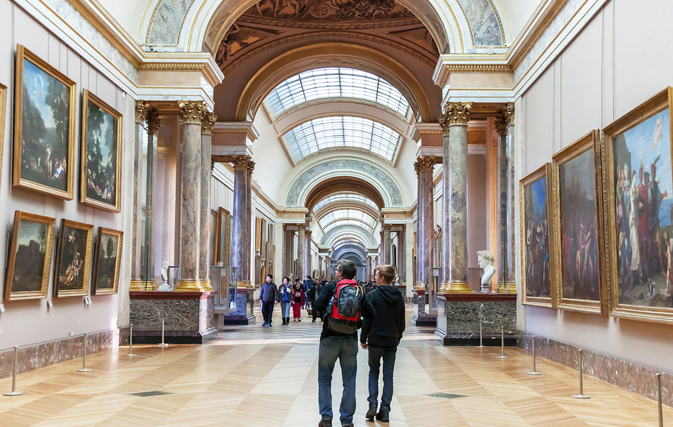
[(344, 308)]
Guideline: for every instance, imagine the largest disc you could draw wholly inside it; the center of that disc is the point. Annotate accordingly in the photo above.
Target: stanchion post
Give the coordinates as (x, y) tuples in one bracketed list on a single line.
[(535, 372), (502, 344), (661, 409), (581, 395), (481, 341), (131, 341), (163, 344), (84, 369), (16, 360)]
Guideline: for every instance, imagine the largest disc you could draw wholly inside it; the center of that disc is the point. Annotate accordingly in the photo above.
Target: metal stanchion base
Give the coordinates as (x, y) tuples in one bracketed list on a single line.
[(14, 393), (84, 370), (581, 396), (481, 346), (533, 373), (130, 355), (503, 357), (162, 345)]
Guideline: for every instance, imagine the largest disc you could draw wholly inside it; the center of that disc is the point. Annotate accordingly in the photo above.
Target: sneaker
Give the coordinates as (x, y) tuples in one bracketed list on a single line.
[(269, 325), (264, 324), (325, 423), (383, 415)]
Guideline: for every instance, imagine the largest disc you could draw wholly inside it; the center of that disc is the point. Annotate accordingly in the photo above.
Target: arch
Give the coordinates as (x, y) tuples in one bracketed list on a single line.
[(350, 249), (323, 55), (340, 205), (336, 189), (348, 230), (388, 190)]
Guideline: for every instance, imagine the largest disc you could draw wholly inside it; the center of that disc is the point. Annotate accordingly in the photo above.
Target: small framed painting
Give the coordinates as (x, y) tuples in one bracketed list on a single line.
[(73, 259), (107, 262), (639, 204), (100, 177), (32, 244), (224, 251), (578, 224), (536, 233), (44, 127)]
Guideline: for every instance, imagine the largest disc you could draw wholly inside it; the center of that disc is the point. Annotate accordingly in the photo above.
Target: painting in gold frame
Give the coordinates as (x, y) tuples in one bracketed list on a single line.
[(536, 235), (100, 176), (73, 259), (224, 233), (32, 245), (638, 178), (258, 235), (44, 127), (578, 284), (107, 261), (214, 236), (3, 115)]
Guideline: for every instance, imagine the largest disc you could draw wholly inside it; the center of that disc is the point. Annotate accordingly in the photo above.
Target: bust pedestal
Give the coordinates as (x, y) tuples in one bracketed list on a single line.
[(244, 307)]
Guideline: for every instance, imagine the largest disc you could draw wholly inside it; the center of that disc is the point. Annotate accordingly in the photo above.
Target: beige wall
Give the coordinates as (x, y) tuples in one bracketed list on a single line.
[(618, 61), (26, 322)]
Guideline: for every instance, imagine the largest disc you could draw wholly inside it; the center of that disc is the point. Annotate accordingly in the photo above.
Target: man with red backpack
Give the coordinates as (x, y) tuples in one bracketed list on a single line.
[(343, 303)]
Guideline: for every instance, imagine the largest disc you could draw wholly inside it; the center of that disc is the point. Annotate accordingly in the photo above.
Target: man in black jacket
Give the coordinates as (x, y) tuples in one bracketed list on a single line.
[(335, 345), (381, 336), (268, 297)]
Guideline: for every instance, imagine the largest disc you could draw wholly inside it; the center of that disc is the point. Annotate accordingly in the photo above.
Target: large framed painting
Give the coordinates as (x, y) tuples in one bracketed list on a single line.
[(107, 260), (73, 259), (224, 250), (536, 233), (214, 233), (3, 115), (44, 127), (639, 203), (29, 257), (100, 177), (578, 284)]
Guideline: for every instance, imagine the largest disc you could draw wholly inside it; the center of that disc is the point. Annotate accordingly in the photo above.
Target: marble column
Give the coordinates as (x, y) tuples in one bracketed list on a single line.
[(241, 238), (401, 256), (454, 243), (424, 246), (387, 245), (301, 248), (153, 123), (508, 188), (191, 114), (137, 283), (289, 251), (308, 267), (207, 123)]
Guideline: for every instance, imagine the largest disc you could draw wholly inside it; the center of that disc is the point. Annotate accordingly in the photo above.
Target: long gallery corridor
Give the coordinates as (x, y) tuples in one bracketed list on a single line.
[(253, 376)]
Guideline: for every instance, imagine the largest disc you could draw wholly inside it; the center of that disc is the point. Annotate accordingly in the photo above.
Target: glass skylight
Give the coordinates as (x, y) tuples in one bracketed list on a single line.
[(335, 83), (348, 241), (331, 132), (343, 197), (343, 222), (347, 217)]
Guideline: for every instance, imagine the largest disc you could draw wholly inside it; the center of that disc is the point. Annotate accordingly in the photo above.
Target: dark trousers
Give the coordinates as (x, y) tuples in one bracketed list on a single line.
[(267, 311), (375, 356)]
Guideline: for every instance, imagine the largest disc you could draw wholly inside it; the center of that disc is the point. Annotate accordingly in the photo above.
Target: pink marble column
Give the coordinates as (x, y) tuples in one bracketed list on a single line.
[(508, 189), (191, 114), (387, 245), (137, 283), (301, 249), (424, 246), (308, 268), (207, 124), (289, 251), (241, 240)]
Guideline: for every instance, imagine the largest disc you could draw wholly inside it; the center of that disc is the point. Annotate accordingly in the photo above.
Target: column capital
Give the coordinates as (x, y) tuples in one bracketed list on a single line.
[(301, 227), (505, 119), (387, 227), (191, 112), (141, 112), (153, 120), (454, 113), (244, 163), (424, 164), (207, 123)]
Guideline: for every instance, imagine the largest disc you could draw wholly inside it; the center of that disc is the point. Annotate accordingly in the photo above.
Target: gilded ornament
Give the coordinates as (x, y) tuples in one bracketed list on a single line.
[(455, 113), (207, 123), (505, 119), (141, 111), (424, 164), (153, 121), (243, 163), (191, 112)]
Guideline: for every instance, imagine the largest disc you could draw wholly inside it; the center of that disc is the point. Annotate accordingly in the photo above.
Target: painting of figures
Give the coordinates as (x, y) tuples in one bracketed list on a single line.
[(73, 259), (536, 237), (44, 127), (577, 282), (101, 162), (107, 261), (30, 257)]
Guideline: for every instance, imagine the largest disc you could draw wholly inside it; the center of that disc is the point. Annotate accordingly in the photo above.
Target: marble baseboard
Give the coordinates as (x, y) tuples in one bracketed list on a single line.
[(35, 356), (488, 339), (426, 320), (629, 376), (459, 319)]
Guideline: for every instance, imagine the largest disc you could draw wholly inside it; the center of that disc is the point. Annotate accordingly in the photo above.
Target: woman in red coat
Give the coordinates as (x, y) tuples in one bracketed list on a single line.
[(298, 300)]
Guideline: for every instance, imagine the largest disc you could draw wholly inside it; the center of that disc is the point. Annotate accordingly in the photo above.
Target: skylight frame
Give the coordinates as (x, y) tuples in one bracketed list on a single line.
[(344, 197)]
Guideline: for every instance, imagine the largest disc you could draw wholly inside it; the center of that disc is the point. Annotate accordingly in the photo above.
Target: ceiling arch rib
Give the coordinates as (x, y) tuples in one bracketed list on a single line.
[(346, 217), (344, 197), (335, 191), (350, 231)]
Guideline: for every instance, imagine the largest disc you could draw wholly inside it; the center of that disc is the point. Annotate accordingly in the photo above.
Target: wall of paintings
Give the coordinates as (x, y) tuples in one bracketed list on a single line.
[(595, 214), (63, 157)]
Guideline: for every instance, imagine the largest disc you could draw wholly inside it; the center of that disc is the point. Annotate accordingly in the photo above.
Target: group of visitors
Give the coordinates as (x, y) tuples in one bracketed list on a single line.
[(296, 297)]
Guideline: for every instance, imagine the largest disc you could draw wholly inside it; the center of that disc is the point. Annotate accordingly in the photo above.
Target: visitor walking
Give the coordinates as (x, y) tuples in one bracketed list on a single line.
[(268, 297), (381, 336), (285, 291), (298, 301), (313, 295), (339, 340)]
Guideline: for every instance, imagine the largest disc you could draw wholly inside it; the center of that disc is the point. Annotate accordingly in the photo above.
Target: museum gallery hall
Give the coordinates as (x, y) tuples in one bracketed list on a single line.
[(182, 182)]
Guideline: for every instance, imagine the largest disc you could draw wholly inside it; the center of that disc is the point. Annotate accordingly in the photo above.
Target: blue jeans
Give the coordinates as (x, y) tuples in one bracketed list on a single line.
[(346, 350), (285, 309), (375, 356)]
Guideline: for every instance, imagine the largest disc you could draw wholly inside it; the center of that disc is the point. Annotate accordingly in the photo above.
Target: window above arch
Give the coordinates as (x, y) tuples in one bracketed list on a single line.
[(347, 217), (344, 197), (336, 82), (332, 132)]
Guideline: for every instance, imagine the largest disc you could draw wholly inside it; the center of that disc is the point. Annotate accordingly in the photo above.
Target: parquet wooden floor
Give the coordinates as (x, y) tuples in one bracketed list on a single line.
[(254, 376)]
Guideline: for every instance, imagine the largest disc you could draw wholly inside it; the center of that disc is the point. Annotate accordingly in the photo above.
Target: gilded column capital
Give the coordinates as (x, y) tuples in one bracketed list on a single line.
[(243, 163), (387, 227), (207, 123), (153, 120), (301, 227), (505, 119), (191, 112), (141, 112), (424, 164), (454, 113)]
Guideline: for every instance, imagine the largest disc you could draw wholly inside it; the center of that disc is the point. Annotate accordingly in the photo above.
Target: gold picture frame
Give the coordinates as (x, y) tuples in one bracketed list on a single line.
[(102, 270), (258, 235), (3, 116), (72, 270), (16, 287), (580, 275), (214, 236), (644, 135), (89, 197), (224, 236), (29, 169), (537, 294)]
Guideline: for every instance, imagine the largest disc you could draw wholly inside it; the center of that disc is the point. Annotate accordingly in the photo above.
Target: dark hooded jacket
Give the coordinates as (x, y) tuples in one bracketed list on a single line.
[(386, 329)]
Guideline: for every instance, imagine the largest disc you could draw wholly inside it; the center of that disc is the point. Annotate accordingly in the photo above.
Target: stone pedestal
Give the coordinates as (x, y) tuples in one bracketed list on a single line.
[(421, 317), (458, 319), (189, 317), (244, 309)]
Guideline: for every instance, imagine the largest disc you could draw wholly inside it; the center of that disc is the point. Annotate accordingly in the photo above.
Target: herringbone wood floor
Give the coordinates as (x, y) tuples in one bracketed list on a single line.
[(254, 376)]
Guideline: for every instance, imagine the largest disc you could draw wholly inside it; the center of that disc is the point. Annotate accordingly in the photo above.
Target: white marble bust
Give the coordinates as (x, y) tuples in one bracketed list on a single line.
[(164, 277), (486, 260)]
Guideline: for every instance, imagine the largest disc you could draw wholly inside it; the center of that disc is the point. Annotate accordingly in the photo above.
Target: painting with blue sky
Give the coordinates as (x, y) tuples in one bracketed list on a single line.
[(537, 265), (101, 154), (643, 212)]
